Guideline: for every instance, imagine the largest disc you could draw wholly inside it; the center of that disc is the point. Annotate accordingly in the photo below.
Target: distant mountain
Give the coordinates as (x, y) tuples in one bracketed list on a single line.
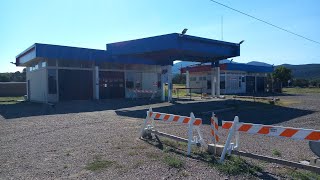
[(177, 66), (256, 63), (304, 71)]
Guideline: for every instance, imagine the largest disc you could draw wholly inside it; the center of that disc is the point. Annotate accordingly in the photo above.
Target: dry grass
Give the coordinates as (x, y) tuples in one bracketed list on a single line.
[(300, 90)]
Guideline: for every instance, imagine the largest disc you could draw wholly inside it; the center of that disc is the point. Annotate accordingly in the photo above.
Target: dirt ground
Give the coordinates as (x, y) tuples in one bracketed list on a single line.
[(63, 142)]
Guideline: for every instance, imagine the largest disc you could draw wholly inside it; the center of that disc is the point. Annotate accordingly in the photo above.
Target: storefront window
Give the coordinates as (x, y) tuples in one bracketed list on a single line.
[(134, 80)]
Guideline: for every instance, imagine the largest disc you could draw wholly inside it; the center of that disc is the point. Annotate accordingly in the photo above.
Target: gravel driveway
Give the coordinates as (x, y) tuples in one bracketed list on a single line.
[(42, 142)]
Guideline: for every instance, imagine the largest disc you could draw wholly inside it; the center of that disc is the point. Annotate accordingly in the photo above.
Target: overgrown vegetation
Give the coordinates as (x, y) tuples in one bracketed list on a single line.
[(303, 175), (276, 152), (173, 161), (99, 164), (16, 76), (235, 165)]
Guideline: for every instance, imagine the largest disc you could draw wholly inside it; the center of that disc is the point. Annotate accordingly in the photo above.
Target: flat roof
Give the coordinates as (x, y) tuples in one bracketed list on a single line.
[(230, 67), (160, 50)]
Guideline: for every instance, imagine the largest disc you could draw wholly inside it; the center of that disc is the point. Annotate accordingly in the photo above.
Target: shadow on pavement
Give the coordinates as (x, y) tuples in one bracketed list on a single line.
[(253, 112), (250, 112)]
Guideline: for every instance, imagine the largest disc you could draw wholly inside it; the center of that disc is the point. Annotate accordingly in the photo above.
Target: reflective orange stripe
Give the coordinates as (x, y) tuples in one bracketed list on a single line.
[(158, 116), (212, 132), (186, 120), (264, 130), (245, 127), (227, 125), (176, 118), (288, 132), (166, 117), (197, 122), (314, 136)]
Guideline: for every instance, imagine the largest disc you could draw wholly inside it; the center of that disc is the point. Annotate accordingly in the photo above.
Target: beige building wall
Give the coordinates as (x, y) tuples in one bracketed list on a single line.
[(38, 85)]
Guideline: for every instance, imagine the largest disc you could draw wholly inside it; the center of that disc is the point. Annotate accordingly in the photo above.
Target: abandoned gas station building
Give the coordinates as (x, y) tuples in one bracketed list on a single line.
[(58, 73), (233, 78)]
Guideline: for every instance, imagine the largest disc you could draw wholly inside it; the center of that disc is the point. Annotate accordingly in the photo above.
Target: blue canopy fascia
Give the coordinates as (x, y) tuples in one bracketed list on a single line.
[(248, 68), (158, 50), (173, 46), (66, 53)]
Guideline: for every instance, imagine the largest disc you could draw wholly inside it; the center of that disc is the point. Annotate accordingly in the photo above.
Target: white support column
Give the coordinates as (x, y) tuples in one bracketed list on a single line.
[(213, 85), (163, 96), (187, 81), (169, 83), (218, 81), (96, 84)]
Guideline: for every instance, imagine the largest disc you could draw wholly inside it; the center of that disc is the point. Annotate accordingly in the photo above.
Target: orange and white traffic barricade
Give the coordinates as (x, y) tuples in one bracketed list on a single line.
[(269, 130), (214, 129), (192, 122), (137, 93)]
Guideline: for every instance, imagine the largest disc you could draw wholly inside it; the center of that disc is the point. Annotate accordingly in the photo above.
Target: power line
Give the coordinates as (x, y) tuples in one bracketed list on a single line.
[(266, 22)]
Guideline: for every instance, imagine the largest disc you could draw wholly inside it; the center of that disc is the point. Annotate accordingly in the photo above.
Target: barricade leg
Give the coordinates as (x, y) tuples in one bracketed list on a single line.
[(228, 142), (190, 138), (144, 125)]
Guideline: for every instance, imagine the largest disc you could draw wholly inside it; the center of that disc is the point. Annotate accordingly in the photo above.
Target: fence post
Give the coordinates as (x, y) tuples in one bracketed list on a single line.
[(231, 131)]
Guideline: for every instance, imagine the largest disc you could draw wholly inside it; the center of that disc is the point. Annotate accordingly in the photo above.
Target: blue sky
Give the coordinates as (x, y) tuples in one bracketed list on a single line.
[(92, 24)]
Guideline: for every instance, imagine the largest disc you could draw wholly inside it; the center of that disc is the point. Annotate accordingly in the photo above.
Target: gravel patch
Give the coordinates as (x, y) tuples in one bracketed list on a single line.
[(42, 142)]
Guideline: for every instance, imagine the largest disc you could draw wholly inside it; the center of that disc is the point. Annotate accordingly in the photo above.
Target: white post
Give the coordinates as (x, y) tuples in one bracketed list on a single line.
[(96, 69), (218, 81), (227, 145), (169, 83), (187, 82), (213, 86)]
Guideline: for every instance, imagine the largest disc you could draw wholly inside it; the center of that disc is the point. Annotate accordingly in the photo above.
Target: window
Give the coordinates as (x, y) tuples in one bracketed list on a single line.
[(52, 81), (222, 84), (193, 78), (43, 64), (134, 80), (204, 78)]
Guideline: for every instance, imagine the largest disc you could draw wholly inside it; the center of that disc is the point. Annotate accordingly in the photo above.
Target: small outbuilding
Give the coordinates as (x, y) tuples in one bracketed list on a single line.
[(233, 78), (59, 73)]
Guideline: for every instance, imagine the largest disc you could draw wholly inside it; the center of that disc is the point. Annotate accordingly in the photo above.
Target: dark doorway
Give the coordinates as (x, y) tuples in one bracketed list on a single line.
[(111, 85), (260, 84), (250, 84), (75, 84)]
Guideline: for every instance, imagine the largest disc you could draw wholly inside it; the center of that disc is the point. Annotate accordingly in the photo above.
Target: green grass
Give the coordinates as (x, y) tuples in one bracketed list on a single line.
[(300, 90), (235, 165), (10, 100), (173, 161), (303, 175), (97, 165), (276, 152)]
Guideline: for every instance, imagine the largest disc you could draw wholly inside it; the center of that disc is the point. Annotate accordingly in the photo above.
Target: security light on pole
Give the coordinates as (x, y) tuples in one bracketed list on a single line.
[(183, 32)]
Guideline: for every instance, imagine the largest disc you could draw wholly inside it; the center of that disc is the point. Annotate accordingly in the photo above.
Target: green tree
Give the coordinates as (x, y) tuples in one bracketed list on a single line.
[(179, 79), (282, 74)]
